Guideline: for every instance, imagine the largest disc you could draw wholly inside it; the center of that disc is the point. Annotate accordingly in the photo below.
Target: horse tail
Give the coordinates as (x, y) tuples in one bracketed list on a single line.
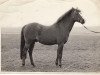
[(22, 43)]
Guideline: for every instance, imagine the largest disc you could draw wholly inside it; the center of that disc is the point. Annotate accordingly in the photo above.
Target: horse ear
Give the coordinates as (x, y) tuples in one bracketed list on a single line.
[(72, 8), (77, 8)]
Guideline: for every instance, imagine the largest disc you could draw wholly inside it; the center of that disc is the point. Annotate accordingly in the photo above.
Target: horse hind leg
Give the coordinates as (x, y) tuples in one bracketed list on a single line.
[(30, 53), (24, 55)]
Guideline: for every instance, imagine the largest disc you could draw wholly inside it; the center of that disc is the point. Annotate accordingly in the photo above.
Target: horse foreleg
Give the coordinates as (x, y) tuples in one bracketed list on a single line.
[(59, 54), (30, 54)]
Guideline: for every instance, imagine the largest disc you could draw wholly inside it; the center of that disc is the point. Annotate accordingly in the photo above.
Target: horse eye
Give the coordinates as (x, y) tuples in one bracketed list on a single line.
[(80, 13), (76, 13)]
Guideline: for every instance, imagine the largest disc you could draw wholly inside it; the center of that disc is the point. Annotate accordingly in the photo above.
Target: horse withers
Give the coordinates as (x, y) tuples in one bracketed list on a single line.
[(57, 33)]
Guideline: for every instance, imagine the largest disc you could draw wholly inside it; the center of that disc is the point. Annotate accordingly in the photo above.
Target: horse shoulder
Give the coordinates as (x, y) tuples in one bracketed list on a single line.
[(62, 36)]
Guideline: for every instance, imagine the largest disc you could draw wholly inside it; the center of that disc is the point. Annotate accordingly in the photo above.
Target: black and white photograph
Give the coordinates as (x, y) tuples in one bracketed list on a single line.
[(50, 36)]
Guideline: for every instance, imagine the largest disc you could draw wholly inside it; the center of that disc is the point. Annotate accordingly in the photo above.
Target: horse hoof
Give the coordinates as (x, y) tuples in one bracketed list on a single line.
[(56, 63), (60, 66), (33, 65), (23, 65)]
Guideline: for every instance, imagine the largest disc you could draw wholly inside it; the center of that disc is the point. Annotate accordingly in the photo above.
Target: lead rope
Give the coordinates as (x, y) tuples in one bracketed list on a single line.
[(90, 30)]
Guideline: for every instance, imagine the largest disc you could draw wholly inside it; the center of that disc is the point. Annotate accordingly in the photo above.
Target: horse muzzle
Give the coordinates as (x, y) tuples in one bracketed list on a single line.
[(82, 21)]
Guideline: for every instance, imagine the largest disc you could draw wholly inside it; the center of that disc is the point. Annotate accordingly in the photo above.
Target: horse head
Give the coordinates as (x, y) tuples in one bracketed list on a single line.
[(76, 16)]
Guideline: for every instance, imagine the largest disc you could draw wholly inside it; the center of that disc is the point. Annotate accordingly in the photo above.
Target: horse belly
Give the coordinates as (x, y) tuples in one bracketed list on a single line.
[(47, 40)]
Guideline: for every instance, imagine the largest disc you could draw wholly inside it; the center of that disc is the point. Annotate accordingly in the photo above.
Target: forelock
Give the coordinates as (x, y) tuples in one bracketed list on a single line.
[(78, 10)]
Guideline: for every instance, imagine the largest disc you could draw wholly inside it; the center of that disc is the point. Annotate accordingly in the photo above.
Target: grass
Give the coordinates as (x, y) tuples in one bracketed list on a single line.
[(80, 54)]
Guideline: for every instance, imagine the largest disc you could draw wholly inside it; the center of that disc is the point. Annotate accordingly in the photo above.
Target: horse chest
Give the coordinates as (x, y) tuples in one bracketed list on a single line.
[(63, 37)]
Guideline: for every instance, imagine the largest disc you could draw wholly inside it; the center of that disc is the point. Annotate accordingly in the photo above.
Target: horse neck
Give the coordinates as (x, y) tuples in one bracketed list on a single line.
[(67, 23)]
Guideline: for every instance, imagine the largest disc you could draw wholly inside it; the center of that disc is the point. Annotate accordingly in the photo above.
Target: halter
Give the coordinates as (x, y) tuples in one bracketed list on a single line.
[(90, 30)]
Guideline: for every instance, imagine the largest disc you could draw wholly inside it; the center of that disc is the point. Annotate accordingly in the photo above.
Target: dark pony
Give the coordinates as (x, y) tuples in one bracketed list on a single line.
[(57, 33)]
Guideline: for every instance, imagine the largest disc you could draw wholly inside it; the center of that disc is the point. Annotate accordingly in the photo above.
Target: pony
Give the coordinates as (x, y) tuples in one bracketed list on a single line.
[(57, 33)]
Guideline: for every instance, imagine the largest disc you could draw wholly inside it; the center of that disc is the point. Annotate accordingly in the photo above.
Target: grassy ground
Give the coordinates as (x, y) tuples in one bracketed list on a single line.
[(80, 54)]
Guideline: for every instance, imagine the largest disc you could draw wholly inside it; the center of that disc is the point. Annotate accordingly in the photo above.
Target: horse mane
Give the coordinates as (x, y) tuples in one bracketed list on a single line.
[(67, 14)]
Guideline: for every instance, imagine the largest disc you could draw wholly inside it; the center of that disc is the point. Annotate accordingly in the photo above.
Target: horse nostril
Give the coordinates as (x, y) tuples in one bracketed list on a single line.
[(83, 21)]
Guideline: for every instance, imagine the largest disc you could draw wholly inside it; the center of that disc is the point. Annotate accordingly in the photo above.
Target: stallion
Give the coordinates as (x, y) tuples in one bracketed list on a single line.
[(57, 33)]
